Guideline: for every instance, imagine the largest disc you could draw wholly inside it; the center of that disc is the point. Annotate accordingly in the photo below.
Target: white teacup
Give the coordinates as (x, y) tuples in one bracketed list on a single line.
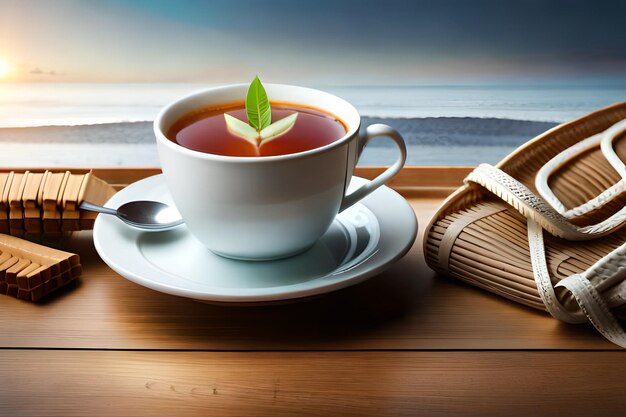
[(266, 207)]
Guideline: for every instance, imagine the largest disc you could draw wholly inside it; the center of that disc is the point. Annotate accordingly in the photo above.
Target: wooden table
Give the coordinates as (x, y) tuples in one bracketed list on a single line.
[(404, 343)]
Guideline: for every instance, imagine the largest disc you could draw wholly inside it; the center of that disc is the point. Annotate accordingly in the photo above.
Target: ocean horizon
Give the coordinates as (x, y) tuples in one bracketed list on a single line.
[(101, 125), (70, 104)]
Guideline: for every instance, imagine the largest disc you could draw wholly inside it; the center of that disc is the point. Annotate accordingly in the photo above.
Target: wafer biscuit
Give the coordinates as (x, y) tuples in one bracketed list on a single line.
[(31, 204), (16, 213), (30, 271), (48, 202), (4, 203)]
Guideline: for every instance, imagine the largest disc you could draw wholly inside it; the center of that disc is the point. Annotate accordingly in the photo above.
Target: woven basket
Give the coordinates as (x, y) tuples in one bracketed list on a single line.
[(483, 233)]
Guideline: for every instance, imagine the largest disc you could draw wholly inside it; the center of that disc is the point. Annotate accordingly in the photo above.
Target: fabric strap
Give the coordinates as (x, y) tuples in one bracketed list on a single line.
[(540, 216), (454, 230), (542, 277), (595, 308), (606, 141)]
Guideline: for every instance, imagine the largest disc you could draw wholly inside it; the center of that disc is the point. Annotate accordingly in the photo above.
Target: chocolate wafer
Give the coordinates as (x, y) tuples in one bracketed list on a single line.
[(16, 212), (5, 178), (30, 271), (52, 194), (31, 203), (96, 191), (70, 215), (48, 202)]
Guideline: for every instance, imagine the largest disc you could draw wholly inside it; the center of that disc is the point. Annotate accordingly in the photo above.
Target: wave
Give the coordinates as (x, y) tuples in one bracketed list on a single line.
[(462, 131), (435, 131)]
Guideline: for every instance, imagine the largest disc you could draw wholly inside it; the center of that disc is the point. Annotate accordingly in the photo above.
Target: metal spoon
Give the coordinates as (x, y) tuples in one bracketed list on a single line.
[(147, 215)]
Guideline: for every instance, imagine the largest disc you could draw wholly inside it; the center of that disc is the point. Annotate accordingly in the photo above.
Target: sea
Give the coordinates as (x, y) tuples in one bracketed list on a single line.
[(443, 124)]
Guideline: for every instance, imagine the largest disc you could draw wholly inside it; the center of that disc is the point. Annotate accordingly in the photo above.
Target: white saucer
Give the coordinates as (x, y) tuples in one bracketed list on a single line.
[(362, 241)]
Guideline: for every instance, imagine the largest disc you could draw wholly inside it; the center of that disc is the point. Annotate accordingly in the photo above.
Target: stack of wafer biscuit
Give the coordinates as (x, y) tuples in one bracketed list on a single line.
[(47, 202), (36, 203), (30, 271)]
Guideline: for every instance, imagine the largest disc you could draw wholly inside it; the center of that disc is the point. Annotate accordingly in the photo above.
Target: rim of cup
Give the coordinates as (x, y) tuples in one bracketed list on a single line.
[(350, 117)]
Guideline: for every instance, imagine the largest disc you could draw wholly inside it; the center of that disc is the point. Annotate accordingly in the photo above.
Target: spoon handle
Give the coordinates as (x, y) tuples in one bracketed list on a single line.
[(98, 209)]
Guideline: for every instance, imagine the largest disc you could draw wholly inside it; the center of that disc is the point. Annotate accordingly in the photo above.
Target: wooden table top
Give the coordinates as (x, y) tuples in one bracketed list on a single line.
[(405, 342)]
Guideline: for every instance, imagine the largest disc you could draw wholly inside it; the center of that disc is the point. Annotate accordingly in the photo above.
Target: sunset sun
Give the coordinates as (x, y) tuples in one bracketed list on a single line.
[(4, 69)]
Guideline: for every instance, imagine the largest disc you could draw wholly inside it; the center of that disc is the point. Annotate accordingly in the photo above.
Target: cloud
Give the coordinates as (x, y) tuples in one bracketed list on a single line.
[(39, 71)]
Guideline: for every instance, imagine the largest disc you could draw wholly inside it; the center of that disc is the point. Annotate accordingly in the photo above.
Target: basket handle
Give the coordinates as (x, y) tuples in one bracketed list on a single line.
[(594, 306), (606, 141), (533, 207)]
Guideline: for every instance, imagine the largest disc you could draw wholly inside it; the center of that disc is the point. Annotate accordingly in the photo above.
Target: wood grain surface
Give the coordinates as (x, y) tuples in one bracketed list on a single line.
[(405, 342), (79, 383)]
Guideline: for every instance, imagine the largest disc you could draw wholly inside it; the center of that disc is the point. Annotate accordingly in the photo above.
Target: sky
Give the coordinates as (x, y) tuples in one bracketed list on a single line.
[(317, 41)]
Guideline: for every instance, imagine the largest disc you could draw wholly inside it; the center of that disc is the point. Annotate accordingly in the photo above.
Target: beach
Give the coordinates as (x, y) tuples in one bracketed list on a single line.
[(430, 141)]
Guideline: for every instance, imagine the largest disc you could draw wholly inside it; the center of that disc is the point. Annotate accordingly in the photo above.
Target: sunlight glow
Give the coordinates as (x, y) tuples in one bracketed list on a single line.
[(4, 69)]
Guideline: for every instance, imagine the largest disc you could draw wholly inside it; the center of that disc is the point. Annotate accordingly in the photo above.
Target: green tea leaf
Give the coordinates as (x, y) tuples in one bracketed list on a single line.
[(241, 129), (278, 128), (258, 106)]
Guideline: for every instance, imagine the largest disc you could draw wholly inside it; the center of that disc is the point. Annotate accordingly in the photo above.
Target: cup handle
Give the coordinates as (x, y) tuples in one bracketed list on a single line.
[(373, 132)]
